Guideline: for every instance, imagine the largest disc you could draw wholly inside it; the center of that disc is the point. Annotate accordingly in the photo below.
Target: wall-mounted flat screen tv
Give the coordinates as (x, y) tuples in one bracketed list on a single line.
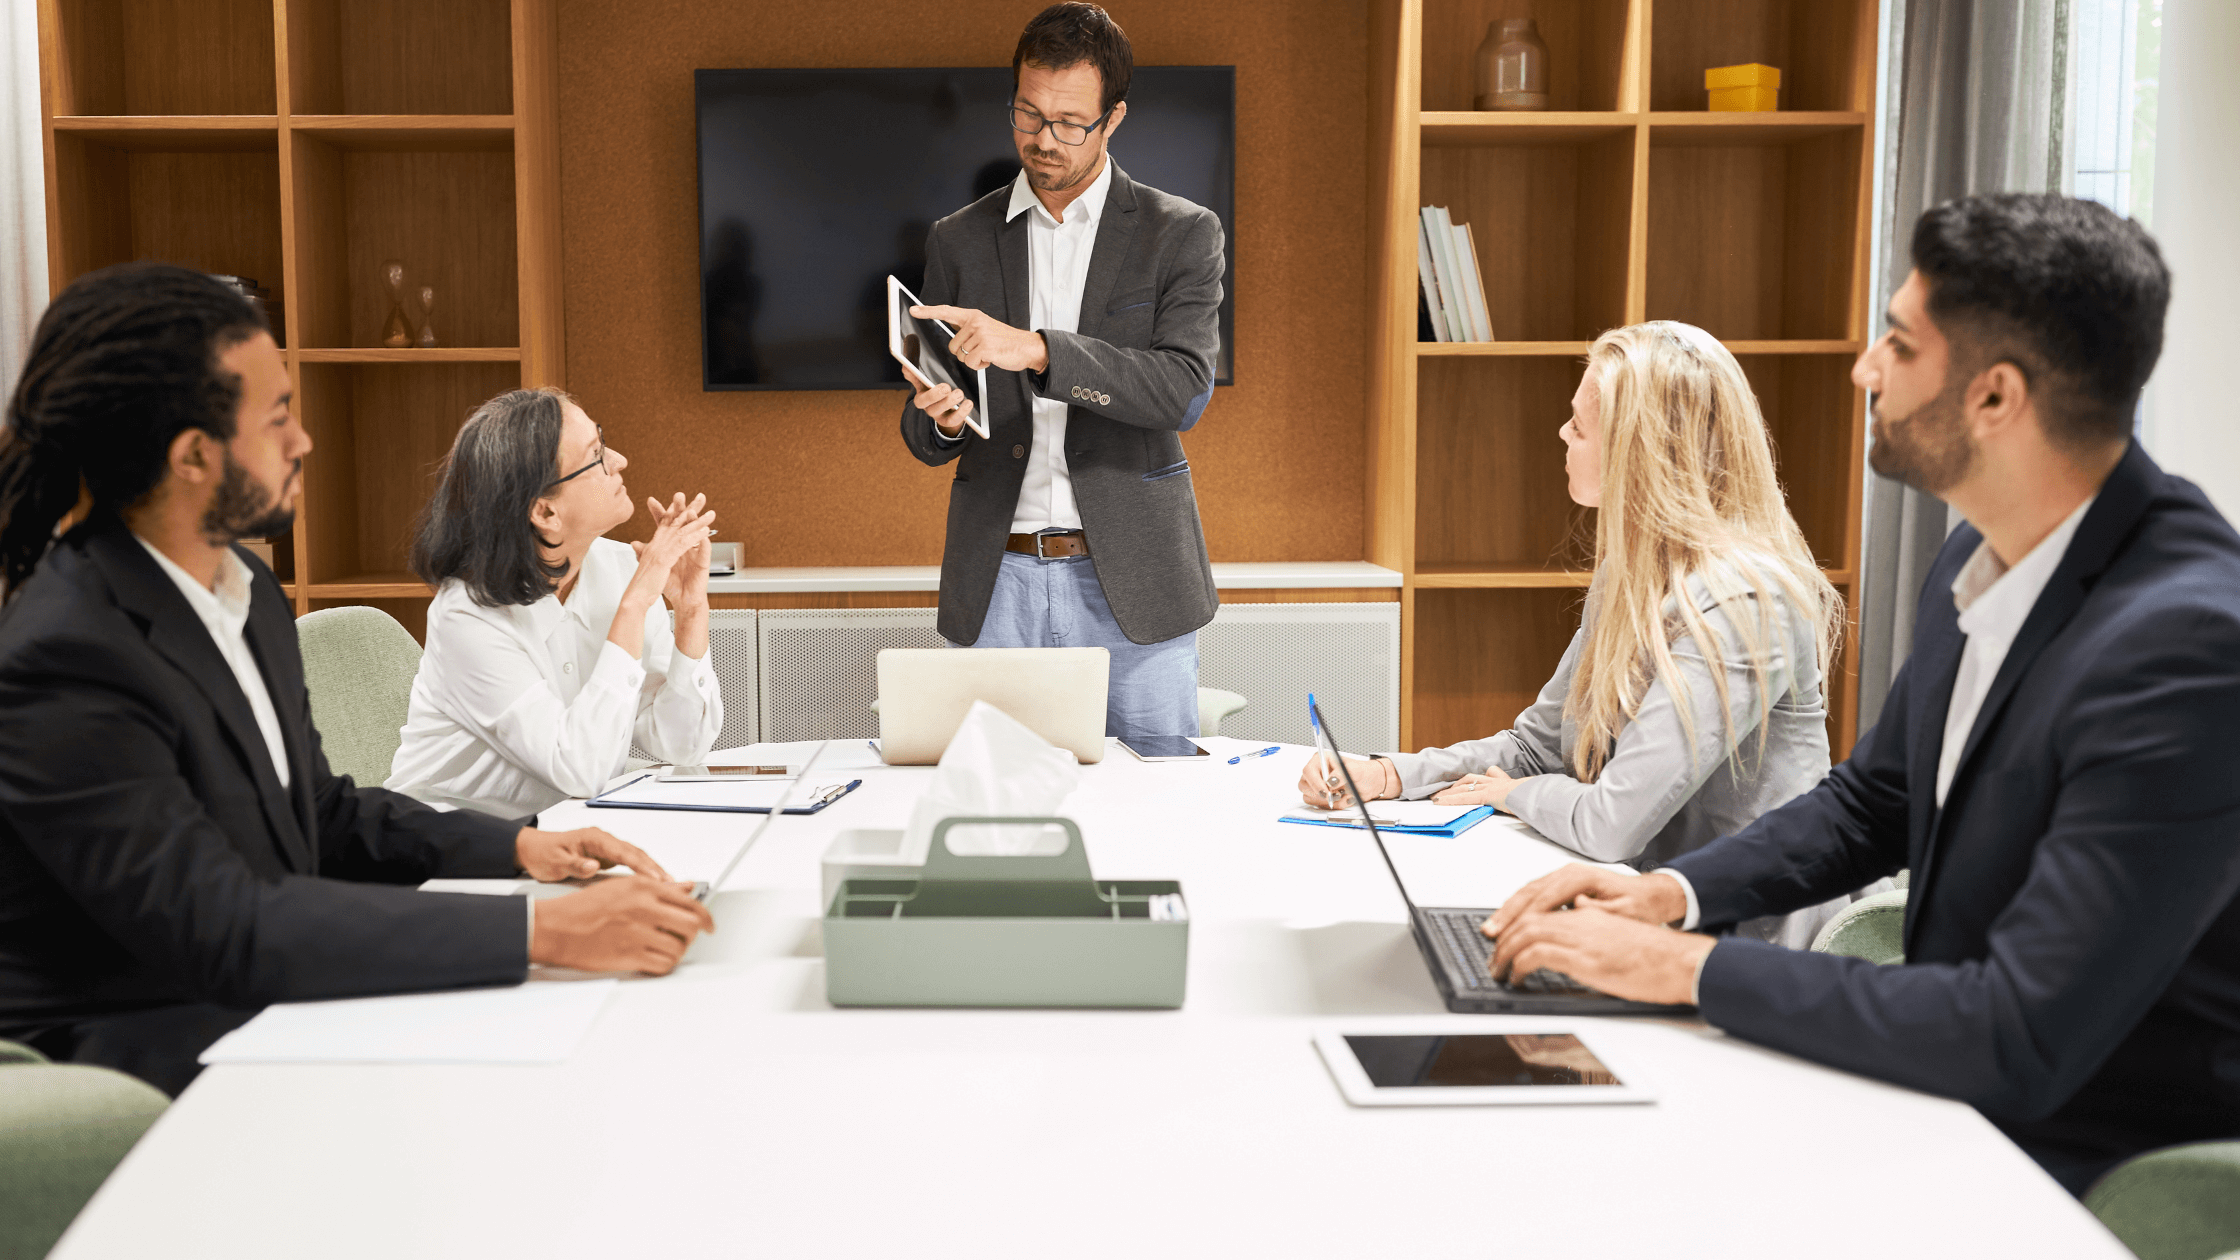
[(816, 184)]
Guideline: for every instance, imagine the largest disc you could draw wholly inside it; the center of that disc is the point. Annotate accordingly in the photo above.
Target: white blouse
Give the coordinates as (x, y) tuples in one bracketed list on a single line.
[(518, 708)]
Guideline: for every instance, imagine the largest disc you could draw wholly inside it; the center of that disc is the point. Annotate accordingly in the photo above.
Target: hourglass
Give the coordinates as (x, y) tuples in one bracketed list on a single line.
[(396, 331)]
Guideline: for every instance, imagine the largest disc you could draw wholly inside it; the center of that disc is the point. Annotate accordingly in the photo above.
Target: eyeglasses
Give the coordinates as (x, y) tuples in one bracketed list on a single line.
[(598, 461), (1027, 122)]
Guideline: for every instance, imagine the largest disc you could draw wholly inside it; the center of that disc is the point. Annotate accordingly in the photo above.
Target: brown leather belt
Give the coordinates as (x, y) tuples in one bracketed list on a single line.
[(1049, 546)]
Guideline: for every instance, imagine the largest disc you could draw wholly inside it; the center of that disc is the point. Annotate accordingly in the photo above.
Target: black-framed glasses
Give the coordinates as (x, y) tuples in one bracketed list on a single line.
[(598, 459), (1027, 123)]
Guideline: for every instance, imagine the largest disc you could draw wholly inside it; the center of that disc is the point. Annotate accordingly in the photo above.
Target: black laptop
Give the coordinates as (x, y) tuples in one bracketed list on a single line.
[(1460, 956)]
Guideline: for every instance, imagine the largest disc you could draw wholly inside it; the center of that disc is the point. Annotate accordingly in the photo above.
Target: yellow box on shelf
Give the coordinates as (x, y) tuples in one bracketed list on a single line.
[(1750, 88)]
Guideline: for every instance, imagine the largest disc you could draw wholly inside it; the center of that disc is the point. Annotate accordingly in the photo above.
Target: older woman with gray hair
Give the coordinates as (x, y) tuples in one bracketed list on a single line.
[(550, 649)]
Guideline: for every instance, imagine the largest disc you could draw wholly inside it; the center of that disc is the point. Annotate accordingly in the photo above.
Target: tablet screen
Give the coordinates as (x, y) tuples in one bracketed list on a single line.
[(1478, 1059), (923, 346)]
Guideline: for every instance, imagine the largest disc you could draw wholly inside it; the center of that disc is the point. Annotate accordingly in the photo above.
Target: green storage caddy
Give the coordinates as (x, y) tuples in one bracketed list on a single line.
[(1006, 931)]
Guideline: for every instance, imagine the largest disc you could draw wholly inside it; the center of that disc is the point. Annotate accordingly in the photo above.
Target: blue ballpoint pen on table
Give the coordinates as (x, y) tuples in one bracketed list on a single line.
[(1258, 752)]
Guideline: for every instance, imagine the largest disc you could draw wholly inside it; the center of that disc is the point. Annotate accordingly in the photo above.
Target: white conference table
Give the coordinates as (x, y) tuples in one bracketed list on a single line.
[(729, 1110)]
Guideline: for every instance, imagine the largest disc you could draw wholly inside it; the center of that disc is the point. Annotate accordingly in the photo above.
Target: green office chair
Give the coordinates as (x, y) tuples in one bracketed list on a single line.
[(2178, 1203), (62, 1128), (1215, 704), (358, 664), (1873, 928)]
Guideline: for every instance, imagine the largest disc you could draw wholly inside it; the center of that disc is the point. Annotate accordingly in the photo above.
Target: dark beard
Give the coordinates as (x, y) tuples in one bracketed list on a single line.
[(242, 509), (1929, 449), (1059, 180)]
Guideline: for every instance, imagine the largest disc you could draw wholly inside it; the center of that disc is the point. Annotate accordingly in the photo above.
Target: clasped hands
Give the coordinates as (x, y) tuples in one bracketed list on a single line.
[(981, 341), (679, 551), (643, 921)]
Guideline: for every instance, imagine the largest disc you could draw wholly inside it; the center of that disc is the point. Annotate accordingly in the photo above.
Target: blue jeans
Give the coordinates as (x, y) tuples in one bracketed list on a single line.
[(1059, 603)]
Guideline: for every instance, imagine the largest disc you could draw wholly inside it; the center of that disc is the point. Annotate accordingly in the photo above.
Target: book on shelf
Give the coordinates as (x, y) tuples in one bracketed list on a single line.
[(1441, 231), (1435, 312), (1473, 283), (1453, 292)]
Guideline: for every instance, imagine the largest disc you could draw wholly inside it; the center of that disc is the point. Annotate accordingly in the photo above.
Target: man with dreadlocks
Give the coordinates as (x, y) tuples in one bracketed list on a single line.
[(174, 852)]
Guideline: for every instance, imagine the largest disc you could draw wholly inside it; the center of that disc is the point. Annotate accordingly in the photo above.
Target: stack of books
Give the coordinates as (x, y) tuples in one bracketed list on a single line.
[(1454, 296)]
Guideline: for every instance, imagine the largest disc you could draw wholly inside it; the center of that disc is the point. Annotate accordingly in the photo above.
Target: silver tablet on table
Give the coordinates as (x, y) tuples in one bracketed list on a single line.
[(921, 346)]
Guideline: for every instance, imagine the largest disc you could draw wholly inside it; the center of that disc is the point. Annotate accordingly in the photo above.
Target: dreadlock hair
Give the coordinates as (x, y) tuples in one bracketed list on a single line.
[(124, 361)]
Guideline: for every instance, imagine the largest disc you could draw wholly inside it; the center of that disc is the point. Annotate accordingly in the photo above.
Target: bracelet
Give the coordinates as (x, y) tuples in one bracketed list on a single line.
[(1398, 787)]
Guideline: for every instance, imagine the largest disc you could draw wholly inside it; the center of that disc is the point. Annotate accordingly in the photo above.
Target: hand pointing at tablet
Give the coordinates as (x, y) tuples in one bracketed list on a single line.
[(983, 341)]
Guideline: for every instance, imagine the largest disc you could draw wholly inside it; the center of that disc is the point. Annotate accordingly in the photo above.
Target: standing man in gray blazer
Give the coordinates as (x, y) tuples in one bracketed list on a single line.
[(1074, 523)]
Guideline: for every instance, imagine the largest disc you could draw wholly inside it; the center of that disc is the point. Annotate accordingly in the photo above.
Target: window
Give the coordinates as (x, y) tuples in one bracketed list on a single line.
[(2117, 68)]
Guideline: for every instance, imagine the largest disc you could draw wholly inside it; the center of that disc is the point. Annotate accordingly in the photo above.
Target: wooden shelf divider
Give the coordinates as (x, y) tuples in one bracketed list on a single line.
[(1626, 201)]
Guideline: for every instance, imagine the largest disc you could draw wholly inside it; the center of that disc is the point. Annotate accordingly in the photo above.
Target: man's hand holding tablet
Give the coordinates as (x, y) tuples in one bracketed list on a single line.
[(947, 404), (922, 345)]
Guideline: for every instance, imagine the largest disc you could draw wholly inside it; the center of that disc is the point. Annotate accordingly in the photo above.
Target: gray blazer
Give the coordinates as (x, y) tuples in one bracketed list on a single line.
[(1660, 794), (1136, 377)]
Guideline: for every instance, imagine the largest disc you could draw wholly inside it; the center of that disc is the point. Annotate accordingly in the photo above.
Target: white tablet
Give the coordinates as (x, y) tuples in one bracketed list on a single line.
[(921, 346), (1450, 1065)]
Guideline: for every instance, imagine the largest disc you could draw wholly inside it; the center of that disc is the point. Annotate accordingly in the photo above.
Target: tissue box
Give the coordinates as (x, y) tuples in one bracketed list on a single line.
[(1005, 931), (1750, 88)]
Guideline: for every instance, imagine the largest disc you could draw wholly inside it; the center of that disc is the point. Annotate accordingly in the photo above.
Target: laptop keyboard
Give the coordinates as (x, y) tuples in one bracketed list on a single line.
[(1472, 954)]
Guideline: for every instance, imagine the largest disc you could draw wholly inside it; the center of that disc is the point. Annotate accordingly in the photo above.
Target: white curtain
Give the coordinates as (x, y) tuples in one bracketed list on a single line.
[(1980, 110), (23, 189)]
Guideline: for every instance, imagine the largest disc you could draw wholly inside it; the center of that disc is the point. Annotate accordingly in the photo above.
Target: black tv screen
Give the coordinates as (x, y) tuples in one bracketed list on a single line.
[(816, 184)]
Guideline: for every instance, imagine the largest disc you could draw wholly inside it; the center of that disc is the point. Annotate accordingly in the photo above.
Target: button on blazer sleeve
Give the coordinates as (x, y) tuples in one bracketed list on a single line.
[(89, 786), (1168, 385)]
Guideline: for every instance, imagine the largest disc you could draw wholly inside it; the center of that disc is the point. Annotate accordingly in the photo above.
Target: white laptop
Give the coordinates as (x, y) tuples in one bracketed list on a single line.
[(1058, 693)]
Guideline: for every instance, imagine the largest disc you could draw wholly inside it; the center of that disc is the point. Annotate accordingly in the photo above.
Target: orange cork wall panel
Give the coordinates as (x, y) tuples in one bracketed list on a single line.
[(822, 478)]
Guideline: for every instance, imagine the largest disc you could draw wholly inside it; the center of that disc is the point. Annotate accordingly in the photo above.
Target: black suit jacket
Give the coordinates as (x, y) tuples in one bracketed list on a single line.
[(149, 855), (2072, 942), (1137, 375)]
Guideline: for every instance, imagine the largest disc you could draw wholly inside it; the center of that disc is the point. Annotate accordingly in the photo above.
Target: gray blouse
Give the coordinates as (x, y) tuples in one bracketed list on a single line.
[(1661, 793)]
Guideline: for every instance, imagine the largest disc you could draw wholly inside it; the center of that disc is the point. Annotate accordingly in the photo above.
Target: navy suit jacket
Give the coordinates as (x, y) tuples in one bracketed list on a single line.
[(149, 855), (2072, 942)]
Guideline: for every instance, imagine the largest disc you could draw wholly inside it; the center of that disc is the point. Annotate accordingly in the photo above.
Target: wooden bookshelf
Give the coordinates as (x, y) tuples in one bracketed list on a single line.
[(1626, 201), (302, 142)]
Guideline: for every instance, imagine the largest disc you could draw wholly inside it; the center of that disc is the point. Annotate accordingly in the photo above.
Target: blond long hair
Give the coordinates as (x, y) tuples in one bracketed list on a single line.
[(1688, 490)]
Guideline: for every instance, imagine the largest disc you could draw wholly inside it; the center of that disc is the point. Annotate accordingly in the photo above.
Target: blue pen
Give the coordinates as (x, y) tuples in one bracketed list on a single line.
[(1272, 748)]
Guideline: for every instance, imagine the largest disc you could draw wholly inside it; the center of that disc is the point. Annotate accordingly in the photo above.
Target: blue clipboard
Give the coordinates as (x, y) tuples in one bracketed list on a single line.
[(1461, 824), (605, 800)]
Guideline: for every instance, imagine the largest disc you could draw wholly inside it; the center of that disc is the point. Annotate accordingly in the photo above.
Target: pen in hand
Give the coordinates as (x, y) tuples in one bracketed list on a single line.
[(1260, 752)]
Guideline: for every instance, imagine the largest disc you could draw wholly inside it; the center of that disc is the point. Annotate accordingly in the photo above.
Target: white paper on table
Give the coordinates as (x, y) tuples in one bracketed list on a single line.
[(837, 754), (1389, 814), (527, 1023), (740, 794)]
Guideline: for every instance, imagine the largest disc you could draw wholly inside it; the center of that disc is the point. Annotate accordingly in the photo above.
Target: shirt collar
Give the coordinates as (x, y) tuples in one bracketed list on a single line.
[(1088, 207), (1992, 596), (227, 604)]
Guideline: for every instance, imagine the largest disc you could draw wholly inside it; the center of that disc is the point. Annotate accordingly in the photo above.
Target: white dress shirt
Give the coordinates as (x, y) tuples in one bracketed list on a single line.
[(1057, 270), (516, 709), (225, 614), (1994, 600)]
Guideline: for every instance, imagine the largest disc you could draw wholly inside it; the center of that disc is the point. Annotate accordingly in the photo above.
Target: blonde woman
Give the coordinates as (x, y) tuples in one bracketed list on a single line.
[(1691, 699)]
